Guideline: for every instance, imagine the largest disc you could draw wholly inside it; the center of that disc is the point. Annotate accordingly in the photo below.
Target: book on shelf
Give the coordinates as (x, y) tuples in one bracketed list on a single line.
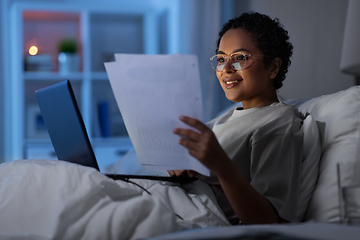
[(39, 63)]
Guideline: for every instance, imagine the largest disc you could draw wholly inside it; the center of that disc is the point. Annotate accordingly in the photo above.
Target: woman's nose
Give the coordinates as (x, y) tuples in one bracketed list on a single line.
[(228, 67)]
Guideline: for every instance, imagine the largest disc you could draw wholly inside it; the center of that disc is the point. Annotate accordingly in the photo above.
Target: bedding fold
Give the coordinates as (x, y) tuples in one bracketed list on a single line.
[(50, 199)]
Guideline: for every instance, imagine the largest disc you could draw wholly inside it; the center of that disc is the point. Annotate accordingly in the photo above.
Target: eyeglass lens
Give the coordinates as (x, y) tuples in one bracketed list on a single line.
[(238, 61)]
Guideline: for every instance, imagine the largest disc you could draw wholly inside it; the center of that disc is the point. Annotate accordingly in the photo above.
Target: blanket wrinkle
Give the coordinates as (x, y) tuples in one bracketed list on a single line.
[(193, 202), (50, 199)]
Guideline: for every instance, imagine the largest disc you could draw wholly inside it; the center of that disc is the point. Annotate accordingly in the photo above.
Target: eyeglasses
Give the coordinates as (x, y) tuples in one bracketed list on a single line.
[(238, 61)]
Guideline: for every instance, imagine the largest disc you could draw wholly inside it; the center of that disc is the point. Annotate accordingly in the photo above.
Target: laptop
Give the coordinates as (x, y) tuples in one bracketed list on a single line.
[(68, 134)]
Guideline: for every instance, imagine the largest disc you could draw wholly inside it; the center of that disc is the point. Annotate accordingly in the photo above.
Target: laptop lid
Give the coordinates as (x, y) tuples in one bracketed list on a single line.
[(65, 125)]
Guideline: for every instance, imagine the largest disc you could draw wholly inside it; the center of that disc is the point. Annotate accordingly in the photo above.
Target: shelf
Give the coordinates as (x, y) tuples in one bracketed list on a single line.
[(55, 76), (112, 141), (46, 29), (37, 141), (99, 75), (123, 34), (100, 31)]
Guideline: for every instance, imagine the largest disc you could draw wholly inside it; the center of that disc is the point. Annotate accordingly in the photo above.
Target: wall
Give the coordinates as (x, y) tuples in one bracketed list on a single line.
[(198, 34), (316, 29)]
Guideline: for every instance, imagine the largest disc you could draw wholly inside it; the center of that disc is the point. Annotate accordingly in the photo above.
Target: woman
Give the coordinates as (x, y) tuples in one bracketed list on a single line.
[(254, 151)]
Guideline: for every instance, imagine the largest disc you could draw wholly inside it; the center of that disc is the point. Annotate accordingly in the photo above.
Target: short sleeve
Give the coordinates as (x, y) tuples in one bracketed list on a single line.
[(275, 171)]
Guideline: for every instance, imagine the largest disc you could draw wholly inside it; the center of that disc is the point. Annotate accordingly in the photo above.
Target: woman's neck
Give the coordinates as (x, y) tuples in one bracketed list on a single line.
[(260, 103)]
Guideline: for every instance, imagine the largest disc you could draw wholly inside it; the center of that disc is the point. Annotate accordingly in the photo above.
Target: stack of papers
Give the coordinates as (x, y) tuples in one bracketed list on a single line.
[(152, 91)]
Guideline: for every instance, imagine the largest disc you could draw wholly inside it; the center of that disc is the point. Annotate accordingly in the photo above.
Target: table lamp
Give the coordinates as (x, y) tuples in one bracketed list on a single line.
[(350, 58)]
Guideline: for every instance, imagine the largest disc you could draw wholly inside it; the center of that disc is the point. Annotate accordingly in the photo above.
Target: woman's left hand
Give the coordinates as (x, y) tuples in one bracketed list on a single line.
[(182, 173), (201, 144)]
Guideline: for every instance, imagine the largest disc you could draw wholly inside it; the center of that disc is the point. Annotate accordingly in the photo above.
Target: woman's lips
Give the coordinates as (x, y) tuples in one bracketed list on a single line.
[(232, 83)]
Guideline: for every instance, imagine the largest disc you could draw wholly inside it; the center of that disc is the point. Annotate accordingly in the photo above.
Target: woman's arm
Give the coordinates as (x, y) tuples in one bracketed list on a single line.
[(249, 205)]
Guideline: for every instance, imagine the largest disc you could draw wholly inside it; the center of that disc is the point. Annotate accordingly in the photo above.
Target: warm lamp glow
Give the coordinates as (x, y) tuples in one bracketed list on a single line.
[(33, 50)]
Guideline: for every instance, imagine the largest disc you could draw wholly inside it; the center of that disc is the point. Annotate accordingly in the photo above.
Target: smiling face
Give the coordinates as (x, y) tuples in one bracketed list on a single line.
[(253, 86)]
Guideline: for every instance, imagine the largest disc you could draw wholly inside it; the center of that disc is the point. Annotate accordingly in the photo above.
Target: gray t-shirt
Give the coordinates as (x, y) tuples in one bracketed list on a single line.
[(266, 144)]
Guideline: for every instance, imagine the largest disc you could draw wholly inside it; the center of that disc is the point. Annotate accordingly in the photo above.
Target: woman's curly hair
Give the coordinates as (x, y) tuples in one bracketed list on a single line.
[(270, 38)]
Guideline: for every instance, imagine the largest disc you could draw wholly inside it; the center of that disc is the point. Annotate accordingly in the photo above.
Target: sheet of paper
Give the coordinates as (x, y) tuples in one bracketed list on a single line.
[(152, 91)]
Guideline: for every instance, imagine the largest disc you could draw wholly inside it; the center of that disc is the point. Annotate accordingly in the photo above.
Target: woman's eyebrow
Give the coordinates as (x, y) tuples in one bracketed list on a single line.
[(237, 50)]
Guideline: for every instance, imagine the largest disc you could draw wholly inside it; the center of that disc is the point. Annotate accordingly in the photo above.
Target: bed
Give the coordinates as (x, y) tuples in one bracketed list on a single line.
[(47, 199)]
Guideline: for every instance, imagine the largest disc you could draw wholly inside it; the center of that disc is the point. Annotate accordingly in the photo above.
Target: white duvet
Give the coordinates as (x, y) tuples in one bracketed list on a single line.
[(50, 199)]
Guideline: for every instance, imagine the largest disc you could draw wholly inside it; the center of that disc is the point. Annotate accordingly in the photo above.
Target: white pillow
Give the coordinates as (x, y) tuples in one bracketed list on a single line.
[(338, 117), (310, 164)]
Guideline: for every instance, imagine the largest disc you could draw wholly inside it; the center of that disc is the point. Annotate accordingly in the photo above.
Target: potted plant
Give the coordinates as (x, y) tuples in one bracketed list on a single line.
[(68, 57), (68, 45)]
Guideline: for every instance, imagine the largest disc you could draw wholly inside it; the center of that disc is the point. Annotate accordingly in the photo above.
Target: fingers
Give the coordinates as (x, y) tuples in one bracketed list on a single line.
[(177, 173), (190, 144), (193, 122), (191, 173), (182, 173), (187, 134), (201, 144)]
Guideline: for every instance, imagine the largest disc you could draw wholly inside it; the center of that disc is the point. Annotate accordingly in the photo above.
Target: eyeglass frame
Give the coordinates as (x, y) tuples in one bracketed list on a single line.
[(227, 57)]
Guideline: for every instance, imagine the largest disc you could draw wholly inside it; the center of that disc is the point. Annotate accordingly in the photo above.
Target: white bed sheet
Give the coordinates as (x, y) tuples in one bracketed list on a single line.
[(50, 199)]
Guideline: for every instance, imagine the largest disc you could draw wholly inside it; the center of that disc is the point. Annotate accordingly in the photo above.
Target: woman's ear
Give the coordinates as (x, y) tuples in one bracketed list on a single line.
[(275, 67)]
